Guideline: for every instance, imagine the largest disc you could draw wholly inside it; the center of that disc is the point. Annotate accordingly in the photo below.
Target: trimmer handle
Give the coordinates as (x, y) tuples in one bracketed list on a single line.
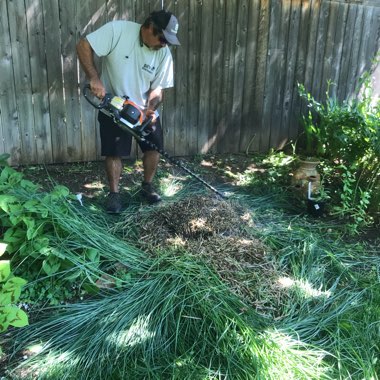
[(144, 125), (103, 103)]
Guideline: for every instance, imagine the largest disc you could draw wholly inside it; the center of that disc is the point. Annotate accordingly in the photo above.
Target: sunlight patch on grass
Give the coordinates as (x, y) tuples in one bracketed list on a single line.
[(170, 186), (53, 364), (95, 185), (245, 178), (302, 286), (284, 357), (208, 164), (138, 333), (35, 348), (177, 241)]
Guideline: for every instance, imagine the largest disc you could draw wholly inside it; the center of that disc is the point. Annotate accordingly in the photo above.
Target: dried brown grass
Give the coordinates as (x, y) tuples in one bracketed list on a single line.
[(219, 233)]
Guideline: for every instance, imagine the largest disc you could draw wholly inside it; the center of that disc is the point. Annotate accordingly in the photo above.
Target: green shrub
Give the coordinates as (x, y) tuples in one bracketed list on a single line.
[(347, 135)]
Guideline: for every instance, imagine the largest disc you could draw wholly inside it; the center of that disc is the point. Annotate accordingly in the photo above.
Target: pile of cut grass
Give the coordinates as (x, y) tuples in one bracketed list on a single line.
[(218, 233)]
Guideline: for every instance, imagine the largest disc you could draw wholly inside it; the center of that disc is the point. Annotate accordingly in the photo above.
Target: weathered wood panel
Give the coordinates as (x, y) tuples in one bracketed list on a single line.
[(91, 15), (236, 71), (247, 130), (194, 63), (10, 141), (55, 83), (22, 79), (39, 81), (216, 109), (293, 46), (204, 142), (259, 101)]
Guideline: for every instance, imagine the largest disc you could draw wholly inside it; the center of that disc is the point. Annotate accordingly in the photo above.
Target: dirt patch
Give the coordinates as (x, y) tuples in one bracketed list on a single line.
[(89, 178), (86, 178)]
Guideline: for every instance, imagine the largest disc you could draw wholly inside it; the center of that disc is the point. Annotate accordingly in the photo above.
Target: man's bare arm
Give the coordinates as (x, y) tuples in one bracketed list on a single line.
[(154, 100), (86, 59)]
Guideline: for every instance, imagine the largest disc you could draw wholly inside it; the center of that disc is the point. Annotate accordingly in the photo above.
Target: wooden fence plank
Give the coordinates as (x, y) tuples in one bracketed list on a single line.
[(21, 65), (248, 131), (330, 46), (194, 59), (91, 15), (126, 10), (235, 107), (181, 87), (36, 39), (228, 77), (351, 81), (55, 84), (321, 42), (367, 40), (273, 72), (301, 68), (120, 10), (290, 86), (204, 143), (155, 5), (338, 50), (111, 10), (262, 53), (312, 44), (10, 133), (226, 90), (217, 112), (346, 51), (278, 136), (68, 18), (169, 104)]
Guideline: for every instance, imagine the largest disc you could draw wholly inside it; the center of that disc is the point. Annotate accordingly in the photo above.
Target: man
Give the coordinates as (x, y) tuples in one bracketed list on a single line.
[(136, 62)]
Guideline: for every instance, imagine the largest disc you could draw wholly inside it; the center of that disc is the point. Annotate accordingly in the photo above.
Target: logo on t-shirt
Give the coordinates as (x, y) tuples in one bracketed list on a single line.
[(148, 68)]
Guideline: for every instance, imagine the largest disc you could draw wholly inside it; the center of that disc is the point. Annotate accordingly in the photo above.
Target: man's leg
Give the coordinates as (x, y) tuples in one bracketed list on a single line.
[(113, 171), (151, 159), (150, 163), (114, 144)]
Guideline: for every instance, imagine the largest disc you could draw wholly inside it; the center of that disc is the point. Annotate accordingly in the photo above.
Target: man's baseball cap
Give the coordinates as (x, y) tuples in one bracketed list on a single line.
[(168, 23)]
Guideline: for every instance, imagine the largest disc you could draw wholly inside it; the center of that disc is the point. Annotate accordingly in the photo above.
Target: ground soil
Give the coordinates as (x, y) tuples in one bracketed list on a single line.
[(89, 178)]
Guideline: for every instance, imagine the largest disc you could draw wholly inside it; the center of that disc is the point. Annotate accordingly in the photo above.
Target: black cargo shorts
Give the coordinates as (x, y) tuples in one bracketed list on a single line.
[(116, 142)]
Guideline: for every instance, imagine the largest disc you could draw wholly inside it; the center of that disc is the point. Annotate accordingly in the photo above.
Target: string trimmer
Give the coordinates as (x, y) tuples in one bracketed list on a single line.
[(129, 117)]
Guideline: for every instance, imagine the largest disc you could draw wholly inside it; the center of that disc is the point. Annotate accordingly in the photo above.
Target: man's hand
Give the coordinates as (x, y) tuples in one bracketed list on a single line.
[(97, 88), (152, 114), (154, 100)]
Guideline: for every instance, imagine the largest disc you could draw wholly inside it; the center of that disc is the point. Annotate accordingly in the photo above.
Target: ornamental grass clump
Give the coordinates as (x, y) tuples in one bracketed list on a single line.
[(177, 321), (333, 289)]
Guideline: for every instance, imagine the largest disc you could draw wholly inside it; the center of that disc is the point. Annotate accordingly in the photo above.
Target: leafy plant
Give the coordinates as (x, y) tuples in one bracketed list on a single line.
[(30, 221), (347, 131), (347, 135), (10, 291), (354, 202)]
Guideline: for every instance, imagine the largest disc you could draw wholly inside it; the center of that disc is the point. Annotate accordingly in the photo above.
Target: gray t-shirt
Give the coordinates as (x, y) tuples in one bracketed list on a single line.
[(129, 68)]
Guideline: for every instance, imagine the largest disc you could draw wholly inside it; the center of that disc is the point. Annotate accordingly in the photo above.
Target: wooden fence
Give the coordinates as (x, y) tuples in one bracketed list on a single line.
[(236, 71)]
